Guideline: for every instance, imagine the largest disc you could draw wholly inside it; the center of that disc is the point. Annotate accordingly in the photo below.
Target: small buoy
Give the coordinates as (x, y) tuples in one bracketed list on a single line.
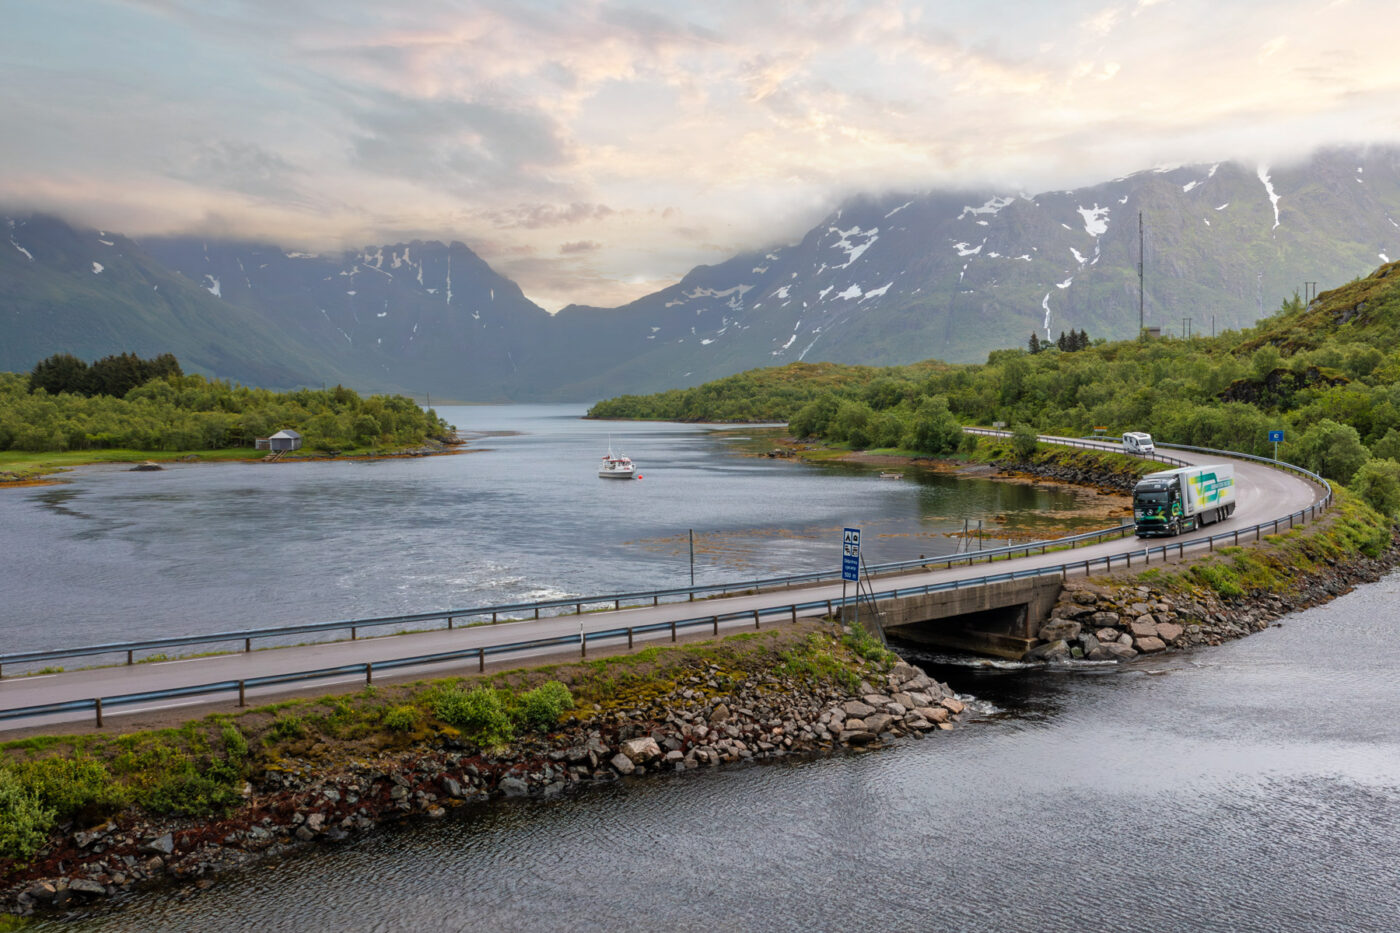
[(639, 476)]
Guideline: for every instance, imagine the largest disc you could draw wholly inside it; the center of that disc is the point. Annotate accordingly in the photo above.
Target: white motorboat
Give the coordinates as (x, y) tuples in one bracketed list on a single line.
[(616, 466)]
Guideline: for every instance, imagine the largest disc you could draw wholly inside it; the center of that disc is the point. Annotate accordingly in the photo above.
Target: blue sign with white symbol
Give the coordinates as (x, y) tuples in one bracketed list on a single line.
[(850, 554), (1275, 436)]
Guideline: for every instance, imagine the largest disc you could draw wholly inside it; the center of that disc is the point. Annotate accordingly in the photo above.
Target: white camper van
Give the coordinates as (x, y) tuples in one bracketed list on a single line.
[(1136, 442)]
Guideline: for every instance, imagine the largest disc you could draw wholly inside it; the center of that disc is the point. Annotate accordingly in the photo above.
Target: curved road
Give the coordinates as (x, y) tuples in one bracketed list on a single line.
[(1263, 494)]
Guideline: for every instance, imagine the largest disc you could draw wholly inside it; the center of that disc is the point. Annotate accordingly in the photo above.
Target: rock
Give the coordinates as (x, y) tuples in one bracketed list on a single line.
[(720, 714), (622, 764), (1054, 651), (513, 787), (316, 822), (858, 737), (1106, 619), (1107, 634), (857, 709), (903, 672), (642, 750), (1143, 627), (952, 705), (1149, 644), (879, 722), (1060, 630), (161, 845), (933, 714), (1169, 632), (86, 887)]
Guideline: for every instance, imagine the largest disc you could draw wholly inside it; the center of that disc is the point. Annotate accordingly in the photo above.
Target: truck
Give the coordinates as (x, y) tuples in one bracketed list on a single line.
[(1173, 501), (1136, 442)]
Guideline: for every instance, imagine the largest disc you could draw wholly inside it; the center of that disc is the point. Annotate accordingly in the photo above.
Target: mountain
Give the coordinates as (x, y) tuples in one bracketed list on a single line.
[(93, 293), (423, 316), (883, 280), (954, 275)]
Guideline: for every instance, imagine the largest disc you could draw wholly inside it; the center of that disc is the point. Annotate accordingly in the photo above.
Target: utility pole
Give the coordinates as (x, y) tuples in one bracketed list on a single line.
[(1309, 293), (1142, 264), (1212, 327)]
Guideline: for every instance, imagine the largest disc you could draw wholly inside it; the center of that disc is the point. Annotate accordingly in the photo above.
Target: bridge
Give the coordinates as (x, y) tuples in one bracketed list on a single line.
[(990, 601)]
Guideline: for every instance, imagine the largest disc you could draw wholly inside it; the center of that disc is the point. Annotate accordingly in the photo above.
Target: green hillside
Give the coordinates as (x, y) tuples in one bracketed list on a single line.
[(1325, 374)]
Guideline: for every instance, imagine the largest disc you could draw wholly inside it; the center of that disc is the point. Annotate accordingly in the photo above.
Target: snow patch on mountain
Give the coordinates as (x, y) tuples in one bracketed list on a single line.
[(877, 292), (105, 242), (992, 206), (1078, 257), (850, 247), (1223, 206), (97, 268), (966, 250), (27, 254), (1095, 219), (897, 209), (1066, 283), (1269, 189), (213, 286), (1384, 257), (1188, 186), (852, 292)]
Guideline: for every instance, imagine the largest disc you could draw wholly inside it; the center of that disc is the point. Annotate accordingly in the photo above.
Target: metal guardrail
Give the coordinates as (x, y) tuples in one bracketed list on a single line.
[(513, 611), (792, 610)]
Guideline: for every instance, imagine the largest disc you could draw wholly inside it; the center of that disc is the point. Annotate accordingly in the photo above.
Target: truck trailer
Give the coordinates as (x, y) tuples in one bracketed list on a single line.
[(1173, 501)]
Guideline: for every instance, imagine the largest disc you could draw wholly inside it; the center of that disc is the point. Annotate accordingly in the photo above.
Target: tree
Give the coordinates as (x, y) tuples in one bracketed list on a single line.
[(934, 430), (1378, 482), (1034, 344), (1023, 441), (62, 372), (1332, 450)]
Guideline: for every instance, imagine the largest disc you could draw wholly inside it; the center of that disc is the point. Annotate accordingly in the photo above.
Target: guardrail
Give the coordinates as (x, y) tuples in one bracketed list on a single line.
[(792, 611), (514, 611)]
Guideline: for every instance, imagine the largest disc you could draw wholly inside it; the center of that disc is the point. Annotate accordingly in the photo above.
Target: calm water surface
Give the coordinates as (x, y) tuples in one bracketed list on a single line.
[(1251, 787), (113, 555)]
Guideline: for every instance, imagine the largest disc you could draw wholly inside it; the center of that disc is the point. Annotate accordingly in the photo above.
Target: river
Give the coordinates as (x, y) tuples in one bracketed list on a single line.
[(112, 554)]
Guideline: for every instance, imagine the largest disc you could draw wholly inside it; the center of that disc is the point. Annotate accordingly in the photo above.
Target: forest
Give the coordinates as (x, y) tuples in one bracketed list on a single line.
[(1326, 374), (172, 411)]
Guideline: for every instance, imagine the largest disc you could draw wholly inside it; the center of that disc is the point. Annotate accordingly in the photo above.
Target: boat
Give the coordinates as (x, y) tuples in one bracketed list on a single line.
[(616, 466), (888, 475)]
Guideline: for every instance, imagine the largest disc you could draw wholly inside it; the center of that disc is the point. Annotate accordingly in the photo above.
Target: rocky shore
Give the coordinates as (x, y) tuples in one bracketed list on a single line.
[(708, 719)]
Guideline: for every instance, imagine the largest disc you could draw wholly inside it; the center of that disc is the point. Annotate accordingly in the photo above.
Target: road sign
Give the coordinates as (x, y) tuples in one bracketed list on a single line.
[(850, 554), (1275, 436)]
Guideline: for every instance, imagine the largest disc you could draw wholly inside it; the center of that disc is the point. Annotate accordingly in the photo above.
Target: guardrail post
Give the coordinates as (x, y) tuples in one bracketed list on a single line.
[(449, 623), (128, 659), (247, 645), (617, 605), (794, 613), (242, 695), (1180, 551), (481, 660), (583, 643), (493, 618), (629, 638), (369, 673), (97, 708), (353, 633), (537, 612), (673, 630), (715, 620), (828, 607), (755, 618), (655, 600)]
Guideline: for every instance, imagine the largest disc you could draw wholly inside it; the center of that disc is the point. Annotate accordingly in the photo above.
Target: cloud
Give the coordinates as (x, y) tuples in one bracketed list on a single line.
[(580, 246)]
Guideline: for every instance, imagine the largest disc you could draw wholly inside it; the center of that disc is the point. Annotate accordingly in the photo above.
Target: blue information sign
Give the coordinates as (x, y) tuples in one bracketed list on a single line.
[(1275, 436), (850, 554)]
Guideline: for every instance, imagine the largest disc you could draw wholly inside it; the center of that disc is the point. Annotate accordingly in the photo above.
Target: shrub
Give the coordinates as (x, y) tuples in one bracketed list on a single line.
[(288, 727), (24, 820), (1023, 441), (480, 714), (235, 744), (72, 788), (401, 718), (541, 708)]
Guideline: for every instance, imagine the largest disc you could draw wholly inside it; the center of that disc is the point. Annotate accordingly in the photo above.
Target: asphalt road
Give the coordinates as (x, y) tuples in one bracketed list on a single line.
[(1263, 494)]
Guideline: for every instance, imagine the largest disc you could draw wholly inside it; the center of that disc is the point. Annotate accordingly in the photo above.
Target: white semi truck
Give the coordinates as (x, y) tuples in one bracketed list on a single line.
[(1173, 501)]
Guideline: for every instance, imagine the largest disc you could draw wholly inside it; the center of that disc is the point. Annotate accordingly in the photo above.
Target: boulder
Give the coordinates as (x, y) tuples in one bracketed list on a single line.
[(857, 709), (1060, 630), (1169, 632), (720, 714), (513, 787), (952, 705), (640, 751), (1107, 634), (1105, 619), (933, 714), (879, 722), (858, 737), (1057, 650), (622, 764), (1143, 627), (1149, 644)]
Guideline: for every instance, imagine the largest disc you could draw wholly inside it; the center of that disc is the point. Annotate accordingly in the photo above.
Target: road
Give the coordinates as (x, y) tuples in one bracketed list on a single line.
[(1263, 494)]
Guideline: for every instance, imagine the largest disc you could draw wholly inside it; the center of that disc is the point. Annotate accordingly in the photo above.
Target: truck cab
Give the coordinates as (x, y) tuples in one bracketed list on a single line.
[(1158, 507), (1136, 442)]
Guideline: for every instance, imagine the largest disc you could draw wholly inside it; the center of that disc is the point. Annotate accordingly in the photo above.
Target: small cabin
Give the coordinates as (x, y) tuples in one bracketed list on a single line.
[(286, 439)]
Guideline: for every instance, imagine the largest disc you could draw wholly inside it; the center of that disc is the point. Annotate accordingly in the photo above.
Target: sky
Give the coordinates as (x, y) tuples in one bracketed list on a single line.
[(595, 151)]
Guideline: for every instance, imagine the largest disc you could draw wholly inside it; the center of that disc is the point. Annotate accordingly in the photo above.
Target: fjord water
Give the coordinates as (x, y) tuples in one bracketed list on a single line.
[(113, 555), (1249, 787)]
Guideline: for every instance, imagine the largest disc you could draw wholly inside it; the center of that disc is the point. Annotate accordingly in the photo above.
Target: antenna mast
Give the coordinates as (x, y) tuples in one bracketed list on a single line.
[(1142, 263)]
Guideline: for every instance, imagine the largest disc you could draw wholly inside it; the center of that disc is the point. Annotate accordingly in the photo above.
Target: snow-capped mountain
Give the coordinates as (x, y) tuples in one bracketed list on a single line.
[(887, 279)]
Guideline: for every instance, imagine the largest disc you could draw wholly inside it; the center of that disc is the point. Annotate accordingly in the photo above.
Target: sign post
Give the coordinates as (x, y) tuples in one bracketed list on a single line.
[(1275, 436), (850, 564)]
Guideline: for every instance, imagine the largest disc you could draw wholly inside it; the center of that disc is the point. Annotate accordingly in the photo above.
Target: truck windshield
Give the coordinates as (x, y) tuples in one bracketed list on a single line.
[(1151, 498)]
